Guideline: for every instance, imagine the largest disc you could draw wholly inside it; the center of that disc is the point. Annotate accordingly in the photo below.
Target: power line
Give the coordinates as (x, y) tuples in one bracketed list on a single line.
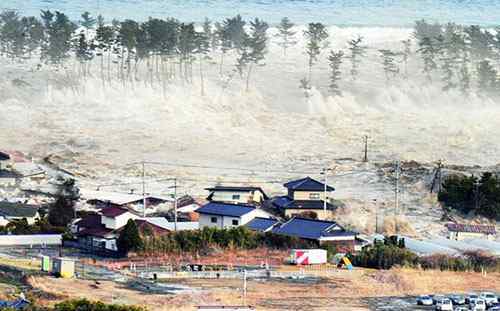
[(186, 165)]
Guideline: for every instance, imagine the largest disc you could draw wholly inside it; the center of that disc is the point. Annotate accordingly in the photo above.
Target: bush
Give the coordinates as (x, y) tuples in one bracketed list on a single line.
[(202, 240)]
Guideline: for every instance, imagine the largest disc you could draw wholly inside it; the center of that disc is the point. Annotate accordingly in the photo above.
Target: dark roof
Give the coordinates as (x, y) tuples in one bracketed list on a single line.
[(308, 204), (311, 229), (99, 231), (285, 202), (225, 209), (261, 224), (237, 188), (143, 224), (18, 304), (9, 174), (113, 211), (281, 202), (89, 221), (471, 228), (307, 184), (17, 209), (4, 156)]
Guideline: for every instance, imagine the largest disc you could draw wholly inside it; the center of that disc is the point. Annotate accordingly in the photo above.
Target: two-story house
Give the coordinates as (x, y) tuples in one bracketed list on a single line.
[(225, 215), (306, 196), (237, 194)]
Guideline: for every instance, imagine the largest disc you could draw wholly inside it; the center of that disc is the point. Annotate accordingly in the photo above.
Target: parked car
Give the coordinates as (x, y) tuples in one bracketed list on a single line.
[(437, 298), (477, 305), (424, 300), (470, 296), (457, 299), (444, 305), (489, 298)]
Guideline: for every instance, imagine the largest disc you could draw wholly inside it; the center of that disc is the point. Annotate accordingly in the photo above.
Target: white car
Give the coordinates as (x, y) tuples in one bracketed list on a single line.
[(477, 305), (424, 300), (489, 298), (444, 305)]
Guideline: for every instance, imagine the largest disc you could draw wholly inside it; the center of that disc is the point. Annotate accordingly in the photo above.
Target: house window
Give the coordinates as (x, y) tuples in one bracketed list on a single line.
[(314, 196), (235, 222), (236, 196), (213, 220)]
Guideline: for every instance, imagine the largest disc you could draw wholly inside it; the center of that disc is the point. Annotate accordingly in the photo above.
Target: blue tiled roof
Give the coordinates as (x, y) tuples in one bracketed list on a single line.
[(261, 224), (311, 228), (281, 202), (225, 209), (307, 184)]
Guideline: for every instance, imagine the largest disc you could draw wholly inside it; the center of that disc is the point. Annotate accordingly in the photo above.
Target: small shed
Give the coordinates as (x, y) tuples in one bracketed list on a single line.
[(45, 263), (63, 267)]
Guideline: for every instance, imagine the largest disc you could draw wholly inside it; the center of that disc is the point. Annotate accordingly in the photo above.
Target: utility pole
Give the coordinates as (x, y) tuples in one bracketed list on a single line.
[(396, 190), (143, 189), (244, 286), (476, 194), (325, 172), (365, 159), (175, 204)]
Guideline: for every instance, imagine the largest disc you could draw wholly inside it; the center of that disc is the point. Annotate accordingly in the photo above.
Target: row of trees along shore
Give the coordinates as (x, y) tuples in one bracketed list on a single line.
[(453, 56)]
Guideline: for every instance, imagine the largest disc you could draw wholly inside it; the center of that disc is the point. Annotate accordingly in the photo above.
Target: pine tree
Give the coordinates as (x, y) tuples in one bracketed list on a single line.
[(87, 21), (391, 69), (286, 34), (202, 42), (487, 78), (129, 239), (464, 79), (406, 54), (357, 51), (255, 47), (315, 35), (428, 52), (335, 60), (59, 31)]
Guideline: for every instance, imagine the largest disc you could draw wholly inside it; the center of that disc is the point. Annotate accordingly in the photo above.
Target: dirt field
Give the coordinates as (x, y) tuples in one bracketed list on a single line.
[(342, 290)]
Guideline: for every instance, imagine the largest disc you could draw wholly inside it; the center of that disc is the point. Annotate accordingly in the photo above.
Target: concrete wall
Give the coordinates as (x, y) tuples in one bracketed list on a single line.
[(27, 240)]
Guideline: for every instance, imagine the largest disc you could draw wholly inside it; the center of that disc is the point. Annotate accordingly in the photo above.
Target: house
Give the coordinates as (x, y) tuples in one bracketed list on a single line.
[(260, 224), (306, 196), (9, 178), (103, 199), (100, 232), (226, 215), (16, 211), (464, 231), (4, 160), (237, 194), (320, 231)]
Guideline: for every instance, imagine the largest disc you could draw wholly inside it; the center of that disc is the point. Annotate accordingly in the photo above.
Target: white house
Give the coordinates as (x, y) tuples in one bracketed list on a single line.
[(237, 194), (225, 215), (114, 217), (17, 211)]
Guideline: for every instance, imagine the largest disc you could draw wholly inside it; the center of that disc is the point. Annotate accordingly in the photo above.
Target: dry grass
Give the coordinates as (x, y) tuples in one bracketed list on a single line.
[(343, 289)]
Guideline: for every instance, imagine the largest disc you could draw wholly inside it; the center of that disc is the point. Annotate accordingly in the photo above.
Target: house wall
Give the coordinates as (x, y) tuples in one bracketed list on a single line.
[(117, 222), (245, 196), (205, 221), (459, 236), (306, 195), (227, 221), (322, 215)]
